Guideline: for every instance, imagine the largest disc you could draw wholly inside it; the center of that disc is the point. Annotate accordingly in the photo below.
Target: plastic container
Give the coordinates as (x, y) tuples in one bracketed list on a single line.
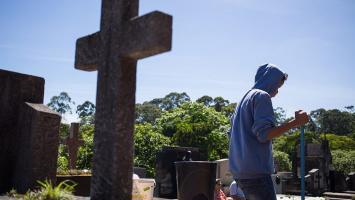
[(165, 172), (143, 189)]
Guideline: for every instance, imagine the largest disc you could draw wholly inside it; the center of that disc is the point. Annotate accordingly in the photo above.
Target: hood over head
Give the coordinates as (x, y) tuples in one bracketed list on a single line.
[(268, 78)]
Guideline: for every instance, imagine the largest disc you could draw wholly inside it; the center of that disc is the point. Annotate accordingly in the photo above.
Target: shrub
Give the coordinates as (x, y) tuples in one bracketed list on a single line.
[(344, 161), (85, 152), (339, 142), (62, 160), (281, 158), (147, 143), (196, 125)]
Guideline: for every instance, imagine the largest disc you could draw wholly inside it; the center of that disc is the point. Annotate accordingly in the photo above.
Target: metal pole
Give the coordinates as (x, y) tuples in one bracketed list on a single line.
[(302, 165)]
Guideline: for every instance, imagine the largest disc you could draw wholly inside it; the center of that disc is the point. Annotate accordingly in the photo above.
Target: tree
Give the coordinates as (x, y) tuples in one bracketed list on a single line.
[(61, 104), (219, 103), (171, 100), (350, 109), (195, 125), (280, 115), (205, 100), (334, 121), (147, 112), (229, 109), (85, 109), (340, 142), (86, 112), (147, 143)]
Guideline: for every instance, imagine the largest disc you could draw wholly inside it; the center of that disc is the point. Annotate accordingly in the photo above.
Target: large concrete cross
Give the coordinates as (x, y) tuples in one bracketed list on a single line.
[(113, 51)]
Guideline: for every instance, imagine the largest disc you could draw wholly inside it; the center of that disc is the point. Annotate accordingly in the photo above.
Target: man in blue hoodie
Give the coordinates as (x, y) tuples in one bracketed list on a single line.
[(253, 128)]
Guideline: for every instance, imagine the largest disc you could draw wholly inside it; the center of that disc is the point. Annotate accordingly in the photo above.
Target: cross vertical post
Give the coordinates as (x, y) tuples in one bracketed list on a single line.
[(113, 51)]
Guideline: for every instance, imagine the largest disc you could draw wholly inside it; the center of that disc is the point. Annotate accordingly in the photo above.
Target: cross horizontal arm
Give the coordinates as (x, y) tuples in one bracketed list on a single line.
[(147, 35), (86, 54)]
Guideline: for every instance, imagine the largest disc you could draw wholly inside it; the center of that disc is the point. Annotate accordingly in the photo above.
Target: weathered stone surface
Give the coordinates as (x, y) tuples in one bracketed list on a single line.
[(73, 143), (113, 51), (37, 143), (15, 89)]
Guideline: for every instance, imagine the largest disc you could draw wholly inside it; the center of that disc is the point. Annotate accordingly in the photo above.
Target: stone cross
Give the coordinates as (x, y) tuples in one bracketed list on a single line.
[(73, 143), (113, 51)]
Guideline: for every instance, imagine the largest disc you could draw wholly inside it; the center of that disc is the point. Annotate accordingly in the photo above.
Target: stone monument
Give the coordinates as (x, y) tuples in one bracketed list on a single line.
[(73, 143), (29, 133), (113, 51)]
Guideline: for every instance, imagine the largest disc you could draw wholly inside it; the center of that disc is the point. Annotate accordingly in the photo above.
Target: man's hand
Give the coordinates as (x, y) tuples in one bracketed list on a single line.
[(301, 118)]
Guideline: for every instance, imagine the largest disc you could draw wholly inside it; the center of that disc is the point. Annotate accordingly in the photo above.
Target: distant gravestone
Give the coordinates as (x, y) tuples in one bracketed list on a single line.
[(113, 51), (73, 143), (26, 130)]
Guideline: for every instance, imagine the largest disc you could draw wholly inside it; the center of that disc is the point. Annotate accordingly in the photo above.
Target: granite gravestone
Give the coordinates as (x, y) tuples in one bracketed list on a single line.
[(28, 133), (73, 143), (113, 51)]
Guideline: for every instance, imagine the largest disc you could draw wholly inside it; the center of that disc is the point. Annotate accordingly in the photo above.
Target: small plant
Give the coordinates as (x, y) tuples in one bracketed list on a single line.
[(63, 191), (13, 193)]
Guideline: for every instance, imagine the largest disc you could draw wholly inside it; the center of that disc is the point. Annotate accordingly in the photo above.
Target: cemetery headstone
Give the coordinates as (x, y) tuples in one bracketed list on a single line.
[(73, 143), (37, 154), (26, 127), (113, 51)]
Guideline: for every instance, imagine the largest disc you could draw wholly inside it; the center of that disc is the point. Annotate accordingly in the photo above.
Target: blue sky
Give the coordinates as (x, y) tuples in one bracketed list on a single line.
[(217, 46)]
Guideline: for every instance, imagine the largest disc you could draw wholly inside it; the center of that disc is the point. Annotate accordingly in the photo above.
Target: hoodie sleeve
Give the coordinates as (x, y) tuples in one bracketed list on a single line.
[(263, 115)]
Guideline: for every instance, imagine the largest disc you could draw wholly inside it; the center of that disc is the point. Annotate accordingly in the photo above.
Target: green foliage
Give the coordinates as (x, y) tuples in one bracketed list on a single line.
[(219, 103), (282, 159), (171, 100), (85, 153), (205, 100), (63, 131), (63, 156), (218, 144), (147, 112), (62, 160), (280, 115), (334, 121), (86, 112), (338, 142), (344, 160), (85, 109), (342, 148), (147, 143), (287, 143), (63, 191), (61, 104), (228, 110), (195, 125)]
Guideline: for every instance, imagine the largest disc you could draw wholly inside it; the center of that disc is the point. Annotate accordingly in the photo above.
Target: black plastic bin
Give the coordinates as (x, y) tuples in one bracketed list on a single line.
[(195, 180), (165, 173)]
